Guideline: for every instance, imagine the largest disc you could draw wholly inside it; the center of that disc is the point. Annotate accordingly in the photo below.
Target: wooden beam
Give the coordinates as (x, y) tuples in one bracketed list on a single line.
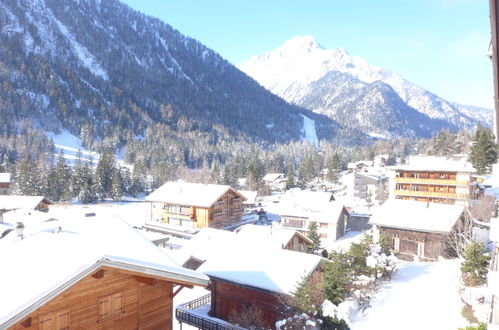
[(180, 289), (146, 280), (98, 274)]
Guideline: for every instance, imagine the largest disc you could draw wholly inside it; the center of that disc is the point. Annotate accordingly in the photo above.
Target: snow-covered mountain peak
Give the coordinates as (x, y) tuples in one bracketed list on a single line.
[(302, 60), (300, 43), (289, 70)]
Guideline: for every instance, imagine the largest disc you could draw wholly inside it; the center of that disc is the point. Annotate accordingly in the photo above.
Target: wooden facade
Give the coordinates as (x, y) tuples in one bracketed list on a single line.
[(411, 243), (226, 211), (298, 243), (229, 299), (107, 299), (433, 186)]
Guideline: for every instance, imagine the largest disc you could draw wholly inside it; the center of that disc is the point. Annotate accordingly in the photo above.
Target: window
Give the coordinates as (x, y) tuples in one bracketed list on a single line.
[(58, 320), (110, 306), (323, 235)]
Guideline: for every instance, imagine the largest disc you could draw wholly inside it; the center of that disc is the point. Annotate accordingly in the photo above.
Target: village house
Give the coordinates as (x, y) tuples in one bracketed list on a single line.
[(25, 203), (6, 184), (250, 196), (371, 187), (433, 179), (278, 236), (419, 229), (187, 206), (275, 181), (360, 165), (87, 273), (299, 208), (253, 272), (381, 160)]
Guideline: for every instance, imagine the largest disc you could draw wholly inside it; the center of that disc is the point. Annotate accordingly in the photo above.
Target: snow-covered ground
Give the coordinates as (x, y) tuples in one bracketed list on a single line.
[(70, 144), (308, 130), (420, 296)]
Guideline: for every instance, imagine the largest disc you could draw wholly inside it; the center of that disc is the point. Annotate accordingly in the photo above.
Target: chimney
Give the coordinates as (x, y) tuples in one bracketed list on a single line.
[(19, 230)]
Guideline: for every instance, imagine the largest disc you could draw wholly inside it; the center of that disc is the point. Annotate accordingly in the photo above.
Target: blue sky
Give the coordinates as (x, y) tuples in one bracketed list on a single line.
[(440, 45)]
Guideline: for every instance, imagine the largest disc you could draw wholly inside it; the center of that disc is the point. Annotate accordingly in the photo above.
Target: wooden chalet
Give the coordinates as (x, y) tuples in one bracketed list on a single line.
[(182, 205), (277, 236), (263, 279), (298, 209), (14, 202), (6, 184), (88, 274), (418, 228)]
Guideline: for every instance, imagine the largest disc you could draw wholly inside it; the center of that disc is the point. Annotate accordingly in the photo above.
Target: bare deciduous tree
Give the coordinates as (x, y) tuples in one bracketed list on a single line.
[(461, 235), (484, 208)]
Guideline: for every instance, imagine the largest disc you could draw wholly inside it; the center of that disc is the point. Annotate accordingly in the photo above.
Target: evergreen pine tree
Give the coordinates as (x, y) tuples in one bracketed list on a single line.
[(103, 175), (484, 150), (313, 235), (290, 180), (76, 182), (475, 266), (87, 193), (117, 186)]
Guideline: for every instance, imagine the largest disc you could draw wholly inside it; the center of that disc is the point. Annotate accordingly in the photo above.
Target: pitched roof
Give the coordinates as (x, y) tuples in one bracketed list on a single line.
[(12, 202), (269, 177), (49, 260), (457, 163), (313, 205), (418, 216), (275, 235), (250, 195), (253, 259), (192, 194)]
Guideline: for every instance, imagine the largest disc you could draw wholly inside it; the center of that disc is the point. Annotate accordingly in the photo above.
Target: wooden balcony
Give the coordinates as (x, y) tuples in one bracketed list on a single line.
[(432, 181), (431, 194)]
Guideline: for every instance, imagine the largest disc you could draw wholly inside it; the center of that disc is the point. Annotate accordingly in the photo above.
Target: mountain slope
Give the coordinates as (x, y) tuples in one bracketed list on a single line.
[(101, 69), (290, 70), (374, 108)]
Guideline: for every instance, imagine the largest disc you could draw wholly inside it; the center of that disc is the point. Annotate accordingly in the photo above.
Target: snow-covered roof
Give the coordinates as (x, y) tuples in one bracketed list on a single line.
[(5, 178), (249, 258), (51, 259), (12, 202), (419, 216), (314, 205), (275, 235), (250, 196), (271, 269), (193, 194), (271, 177), (457, 163), (359, 163)]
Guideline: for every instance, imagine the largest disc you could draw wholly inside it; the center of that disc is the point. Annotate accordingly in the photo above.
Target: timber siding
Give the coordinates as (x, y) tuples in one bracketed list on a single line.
[(230, 299), (116, 300), (433, 186), (226, 211), (415, 243)]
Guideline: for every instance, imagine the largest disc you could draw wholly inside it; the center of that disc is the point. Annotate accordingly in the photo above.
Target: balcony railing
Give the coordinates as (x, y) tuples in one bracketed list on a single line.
[(431, 194), (432, 181), (184, 314)]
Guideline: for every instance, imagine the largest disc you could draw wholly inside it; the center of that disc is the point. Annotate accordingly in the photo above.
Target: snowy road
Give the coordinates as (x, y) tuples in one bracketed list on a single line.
[(421, 296)]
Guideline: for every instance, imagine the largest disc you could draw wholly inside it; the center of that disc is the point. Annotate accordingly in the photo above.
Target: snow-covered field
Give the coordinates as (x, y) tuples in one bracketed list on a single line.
[(70, 145), (420, 296)]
